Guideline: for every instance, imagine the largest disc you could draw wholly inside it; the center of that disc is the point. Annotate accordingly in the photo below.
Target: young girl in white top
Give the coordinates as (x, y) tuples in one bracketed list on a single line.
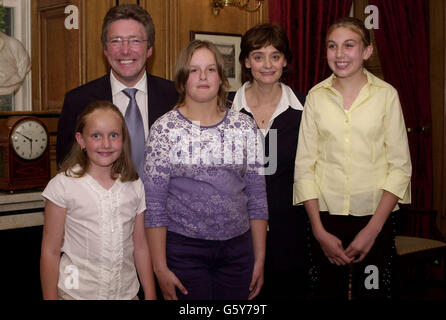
[(93, 216)]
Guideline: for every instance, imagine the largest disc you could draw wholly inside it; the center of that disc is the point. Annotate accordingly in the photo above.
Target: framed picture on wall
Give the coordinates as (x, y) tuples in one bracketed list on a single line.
[(229, 46)]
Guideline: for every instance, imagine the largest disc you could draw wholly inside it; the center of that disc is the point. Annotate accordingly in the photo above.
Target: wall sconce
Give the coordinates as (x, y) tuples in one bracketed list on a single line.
[(217, 5)]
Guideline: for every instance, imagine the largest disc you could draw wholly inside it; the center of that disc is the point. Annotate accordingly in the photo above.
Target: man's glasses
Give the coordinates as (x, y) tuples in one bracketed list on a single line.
[(132, 42)]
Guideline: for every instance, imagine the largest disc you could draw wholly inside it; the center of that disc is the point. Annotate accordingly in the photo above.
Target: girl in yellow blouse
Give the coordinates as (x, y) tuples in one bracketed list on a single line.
[(352, 168)]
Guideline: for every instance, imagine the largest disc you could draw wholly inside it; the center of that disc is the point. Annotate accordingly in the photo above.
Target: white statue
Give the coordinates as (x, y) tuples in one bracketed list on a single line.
[(14, 64)]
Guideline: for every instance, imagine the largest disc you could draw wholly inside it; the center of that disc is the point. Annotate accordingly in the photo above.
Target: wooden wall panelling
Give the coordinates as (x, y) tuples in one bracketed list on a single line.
[(253, 18), (174, 19), (57, 61), (187, 15), (159, 61), (35, 56), (437, 13), (51, 119), (57, 64), (126, 1), (174, 36), (265, 12), (93, 55)]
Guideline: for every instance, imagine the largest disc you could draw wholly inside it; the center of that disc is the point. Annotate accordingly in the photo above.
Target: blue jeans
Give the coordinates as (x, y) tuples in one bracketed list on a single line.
[(211, 269)]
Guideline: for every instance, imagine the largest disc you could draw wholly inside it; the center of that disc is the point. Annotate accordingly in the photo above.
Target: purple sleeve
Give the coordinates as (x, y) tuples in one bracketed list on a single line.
[(156, 177), (254, 177)]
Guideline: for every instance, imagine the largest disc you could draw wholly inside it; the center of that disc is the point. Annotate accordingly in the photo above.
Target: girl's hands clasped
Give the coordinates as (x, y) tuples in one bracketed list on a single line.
[(361, 245), (355, 252), (333, 249)]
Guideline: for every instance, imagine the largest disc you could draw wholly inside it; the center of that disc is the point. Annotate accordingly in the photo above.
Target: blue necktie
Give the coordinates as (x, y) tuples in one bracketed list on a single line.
[(136, 130)]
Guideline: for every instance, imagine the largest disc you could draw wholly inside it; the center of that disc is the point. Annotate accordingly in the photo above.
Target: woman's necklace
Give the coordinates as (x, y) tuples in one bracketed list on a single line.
[(263, 112)]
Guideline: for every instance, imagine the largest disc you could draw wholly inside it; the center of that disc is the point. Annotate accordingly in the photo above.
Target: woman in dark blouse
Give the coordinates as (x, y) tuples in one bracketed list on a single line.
[(277, 110)]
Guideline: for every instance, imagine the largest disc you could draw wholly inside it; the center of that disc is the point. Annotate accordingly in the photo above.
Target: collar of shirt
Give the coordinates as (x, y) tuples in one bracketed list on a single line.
[(288, 100), (118, 86), (372, 81)]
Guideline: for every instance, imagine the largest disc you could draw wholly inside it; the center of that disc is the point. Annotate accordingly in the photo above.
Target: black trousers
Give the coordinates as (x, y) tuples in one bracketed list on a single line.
[(286, 271), (369, 279)]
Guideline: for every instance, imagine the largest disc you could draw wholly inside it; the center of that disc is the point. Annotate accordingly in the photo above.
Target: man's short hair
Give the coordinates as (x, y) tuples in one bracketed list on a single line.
[(125, 12)]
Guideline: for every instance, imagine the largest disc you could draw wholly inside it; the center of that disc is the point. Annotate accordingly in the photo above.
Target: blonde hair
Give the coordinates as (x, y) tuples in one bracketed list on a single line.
[(354, 24), (182, 71), (78, 157)]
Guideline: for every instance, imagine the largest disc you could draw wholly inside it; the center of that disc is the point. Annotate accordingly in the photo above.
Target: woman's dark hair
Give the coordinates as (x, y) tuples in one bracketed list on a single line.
[(261, 36)]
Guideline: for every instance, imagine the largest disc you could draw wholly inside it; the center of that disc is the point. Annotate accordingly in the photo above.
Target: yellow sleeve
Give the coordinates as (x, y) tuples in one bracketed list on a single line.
[(397, 151), (305, 187)]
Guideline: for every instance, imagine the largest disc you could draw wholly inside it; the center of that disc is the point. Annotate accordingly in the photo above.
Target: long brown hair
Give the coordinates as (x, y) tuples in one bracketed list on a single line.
[(182, 71), (78, 157)]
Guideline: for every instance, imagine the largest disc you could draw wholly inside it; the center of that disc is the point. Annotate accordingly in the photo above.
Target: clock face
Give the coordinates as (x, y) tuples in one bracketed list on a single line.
[(29, 139)]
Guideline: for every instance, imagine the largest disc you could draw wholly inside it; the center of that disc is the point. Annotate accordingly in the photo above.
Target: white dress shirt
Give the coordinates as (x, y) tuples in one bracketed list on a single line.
[(121, 100), (287, 100)]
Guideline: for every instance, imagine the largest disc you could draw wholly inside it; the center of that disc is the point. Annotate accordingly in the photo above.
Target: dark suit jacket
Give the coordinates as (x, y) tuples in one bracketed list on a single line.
[(161, 94)]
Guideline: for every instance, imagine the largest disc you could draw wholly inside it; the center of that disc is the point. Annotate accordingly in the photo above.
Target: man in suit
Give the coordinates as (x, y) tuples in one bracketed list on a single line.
[(127, 36)]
